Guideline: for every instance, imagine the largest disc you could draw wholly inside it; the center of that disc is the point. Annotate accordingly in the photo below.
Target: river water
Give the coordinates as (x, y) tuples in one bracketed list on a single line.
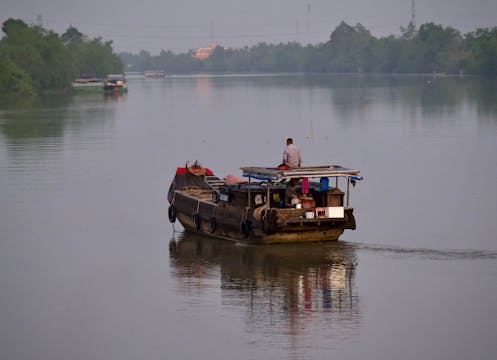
[(91, 268)]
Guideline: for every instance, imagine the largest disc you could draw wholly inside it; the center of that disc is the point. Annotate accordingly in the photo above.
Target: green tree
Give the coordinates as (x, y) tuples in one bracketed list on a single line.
[(34, 59), (348, 49), (481, 46), (39, 53), (12, 78), (437, 45), (72, 36), (98, 59)]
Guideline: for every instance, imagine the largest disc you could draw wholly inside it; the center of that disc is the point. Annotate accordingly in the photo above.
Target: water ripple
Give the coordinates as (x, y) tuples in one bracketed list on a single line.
[(433, 254)]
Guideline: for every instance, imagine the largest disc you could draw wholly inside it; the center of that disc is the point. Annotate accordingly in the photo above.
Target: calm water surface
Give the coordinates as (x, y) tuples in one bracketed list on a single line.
[(90, 267)]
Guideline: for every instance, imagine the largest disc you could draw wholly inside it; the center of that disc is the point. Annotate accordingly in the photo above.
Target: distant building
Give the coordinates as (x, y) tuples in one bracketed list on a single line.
[(204, 53)]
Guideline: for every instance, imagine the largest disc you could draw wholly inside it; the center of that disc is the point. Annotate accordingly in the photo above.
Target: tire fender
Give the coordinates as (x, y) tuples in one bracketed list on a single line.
[(212, 225), (171, 212)]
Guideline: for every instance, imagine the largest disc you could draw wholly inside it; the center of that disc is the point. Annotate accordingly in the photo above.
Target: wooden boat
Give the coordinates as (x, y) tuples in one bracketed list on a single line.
[(252, 210), (88, 84), (115, 83), (155, 74)]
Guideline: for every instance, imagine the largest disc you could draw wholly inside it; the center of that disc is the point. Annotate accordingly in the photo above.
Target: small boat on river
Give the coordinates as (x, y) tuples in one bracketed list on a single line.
[(252, 208), (115, 84), (88, 84), (155, 74)]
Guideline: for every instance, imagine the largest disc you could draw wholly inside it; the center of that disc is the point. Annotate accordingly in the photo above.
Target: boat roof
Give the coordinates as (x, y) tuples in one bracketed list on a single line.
[(115, 76), (278, 174)]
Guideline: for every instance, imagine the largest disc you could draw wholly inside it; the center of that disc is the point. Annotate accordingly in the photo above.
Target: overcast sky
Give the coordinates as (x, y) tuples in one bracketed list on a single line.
[(180, 25)]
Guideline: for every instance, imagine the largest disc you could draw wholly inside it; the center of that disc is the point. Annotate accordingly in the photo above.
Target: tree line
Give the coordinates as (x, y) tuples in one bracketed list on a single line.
[(33, 59), (350, 49)]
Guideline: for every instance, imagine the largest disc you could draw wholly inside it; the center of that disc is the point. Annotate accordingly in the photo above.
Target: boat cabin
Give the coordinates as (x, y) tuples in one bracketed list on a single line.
[(312, 183)]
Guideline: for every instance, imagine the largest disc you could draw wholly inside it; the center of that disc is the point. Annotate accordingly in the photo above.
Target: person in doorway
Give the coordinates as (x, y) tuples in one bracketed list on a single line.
[(291, 155)]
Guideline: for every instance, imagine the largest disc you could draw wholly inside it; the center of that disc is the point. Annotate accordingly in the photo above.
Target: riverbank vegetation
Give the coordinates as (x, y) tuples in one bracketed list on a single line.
[(33, 59), (350, 49)]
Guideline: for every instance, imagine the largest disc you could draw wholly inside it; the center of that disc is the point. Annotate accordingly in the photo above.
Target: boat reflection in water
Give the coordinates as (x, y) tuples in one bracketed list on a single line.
[(289, 286), (115, 97)]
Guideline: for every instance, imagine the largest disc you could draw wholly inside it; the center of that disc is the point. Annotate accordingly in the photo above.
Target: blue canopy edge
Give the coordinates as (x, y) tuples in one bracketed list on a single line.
[(259, 177)]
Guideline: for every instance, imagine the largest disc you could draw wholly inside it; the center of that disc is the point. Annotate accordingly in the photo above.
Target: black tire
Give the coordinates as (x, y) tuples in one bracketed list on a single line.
[(212, 225), (171, 212), (245, 228), (196, 221)]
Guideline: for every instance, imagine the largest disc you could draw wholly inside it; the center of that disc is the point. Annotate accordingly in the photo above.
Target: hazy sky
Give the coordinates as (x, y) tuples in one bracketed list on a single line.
[(179, 25)]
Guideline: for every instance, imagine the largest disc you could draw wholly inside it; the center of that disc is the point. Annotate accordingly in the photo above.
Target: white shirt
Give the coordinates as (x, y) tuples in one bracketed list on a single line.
[(291, 156)]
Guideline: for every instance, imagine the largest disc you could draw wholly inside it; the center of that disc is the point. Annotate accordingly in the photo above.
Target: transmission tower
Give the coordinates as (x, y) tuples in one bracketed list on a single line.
[(308, 23), (413, 14)]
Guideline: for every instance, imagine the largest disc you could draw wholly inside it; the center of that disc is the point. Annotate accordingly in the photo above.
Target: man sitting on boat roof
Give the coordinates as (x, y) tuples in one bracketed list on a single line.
[(291, 155)]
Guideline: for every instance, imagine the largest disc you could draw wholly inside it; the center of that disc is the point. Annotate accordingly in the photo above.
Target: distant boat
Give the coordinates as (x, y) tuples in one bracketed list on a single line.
[(88, 84), (155, 74), (115, 83)]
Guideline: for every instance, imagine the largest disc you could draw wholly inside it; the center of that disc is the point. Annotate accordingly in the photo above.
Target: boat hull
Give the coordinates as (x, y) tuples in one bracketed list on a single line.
[(109, 89), (91, 85), (229, 222)]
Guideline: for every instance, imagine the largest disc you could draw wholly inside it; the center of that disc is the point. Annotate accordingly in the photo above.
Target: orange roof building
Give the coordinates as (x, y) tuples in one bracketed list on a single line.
[(204, 53)]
